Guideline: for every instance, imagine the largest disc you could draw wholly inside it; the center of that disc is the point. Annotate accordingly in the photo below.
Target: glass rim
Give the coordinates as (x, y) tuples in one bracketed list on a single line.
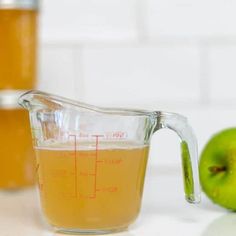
[(59, 102), (9, 98), (19, 4)]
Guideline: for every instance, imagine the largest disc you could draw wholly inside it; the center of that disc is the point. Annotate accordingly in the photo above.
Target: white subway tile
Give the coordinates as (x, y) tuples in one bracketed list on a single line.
[(88, 20), (189, 18), (209, 120), (57, 71), (141, 75), (222, 73), (165, 148)]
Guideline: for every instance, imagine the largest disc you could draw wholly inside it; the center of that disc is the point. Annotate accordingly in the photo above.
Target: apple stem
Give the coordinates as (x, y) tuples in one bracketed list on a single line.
[(217, 169)]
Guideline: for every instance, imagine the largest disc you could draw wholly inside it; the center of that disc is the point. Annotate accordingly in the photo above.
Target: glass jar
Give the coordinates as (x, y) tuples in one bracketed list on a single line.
[(17, 161), (18, 49), (18, 44)]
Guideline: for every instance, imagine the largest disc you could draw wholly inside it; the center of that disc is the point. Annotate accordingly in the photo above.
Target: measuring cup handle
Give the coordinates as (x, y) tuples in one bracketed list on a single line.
[(189, 152)]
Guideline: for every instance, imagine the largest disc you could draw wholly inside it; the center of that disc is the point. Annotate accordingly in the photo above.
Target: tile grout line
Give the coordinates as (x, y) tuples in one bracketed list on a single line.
[(143, 38), (141, 21)]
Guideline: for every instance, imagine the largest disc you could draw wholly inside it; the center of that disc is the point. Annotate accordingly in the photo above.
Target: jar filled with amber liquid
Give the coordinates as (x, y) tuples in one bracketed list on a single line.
[(18, 49)]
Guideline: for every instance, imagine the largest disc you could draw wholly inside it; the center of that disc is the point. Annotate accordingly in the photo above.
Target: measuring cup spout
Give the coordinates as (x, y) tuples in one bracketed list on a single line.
[(189, 152), (25, 100), (33, 100)]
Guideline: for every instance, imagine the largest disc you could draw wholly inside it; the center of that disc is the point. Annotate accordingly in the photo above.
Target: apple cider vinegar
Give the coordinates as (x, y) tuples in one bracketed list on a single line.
[(17, 159), (91, 188), (17, 48)]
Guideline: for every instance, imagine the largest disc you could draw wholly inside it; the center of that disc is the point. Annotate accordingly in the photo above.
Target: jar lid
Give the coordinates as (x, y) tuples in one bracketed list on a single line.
[(19, 4), (9, 98)]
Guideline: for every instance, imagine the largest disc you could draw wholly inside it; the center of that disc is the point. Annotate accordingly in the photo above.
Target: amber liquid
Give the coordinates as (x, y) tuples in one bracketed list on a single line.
[(17, 49), (17, 161), (89, 189)]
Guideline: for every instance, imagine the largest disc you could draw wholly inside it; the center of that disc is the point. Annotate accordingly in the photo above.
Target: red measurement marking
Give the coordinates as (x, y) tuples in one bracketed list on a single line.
[(86, 174), (95, 168), (75, 163), (87, 196), (97, 135), (113, 162), (116, 135), (110, 162), (85, 155), (59, 173), (100, 161), (110, 189), (92, 197)]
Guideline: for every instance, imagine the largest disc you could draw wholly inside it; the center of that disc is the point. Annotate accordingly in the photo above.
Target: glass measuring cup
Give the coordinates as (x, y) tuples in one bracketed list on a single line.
[(91, 161)]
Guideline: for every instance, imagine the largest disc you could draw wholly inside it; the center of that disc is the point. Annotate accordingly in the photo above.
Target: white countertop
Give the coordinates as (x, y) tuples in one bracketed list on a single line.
[(164, 211)]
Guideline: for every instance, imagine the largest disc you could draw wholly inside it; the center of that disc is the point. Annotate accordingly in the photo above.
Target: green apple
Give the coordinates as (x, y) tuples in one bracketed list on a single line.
[(218, 168)]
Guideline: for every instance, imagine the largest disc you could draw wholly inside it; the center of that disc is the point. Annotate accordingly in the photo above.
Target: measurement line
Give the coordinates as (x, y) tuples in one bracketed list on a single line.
[(96, 160), (100, 161)]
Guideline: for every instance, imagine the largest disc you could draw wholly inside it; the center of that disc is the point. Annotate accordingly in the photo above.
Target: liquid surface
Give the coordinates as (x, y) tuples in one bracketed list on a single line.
[(17, 49), (91, 189), (17, 159)]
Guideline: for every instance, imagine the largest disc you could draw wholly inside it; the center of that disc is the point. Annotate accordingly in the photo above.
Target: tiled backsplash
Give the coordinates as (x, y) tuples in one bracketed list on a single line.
[(191, 18), (174, 55)]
